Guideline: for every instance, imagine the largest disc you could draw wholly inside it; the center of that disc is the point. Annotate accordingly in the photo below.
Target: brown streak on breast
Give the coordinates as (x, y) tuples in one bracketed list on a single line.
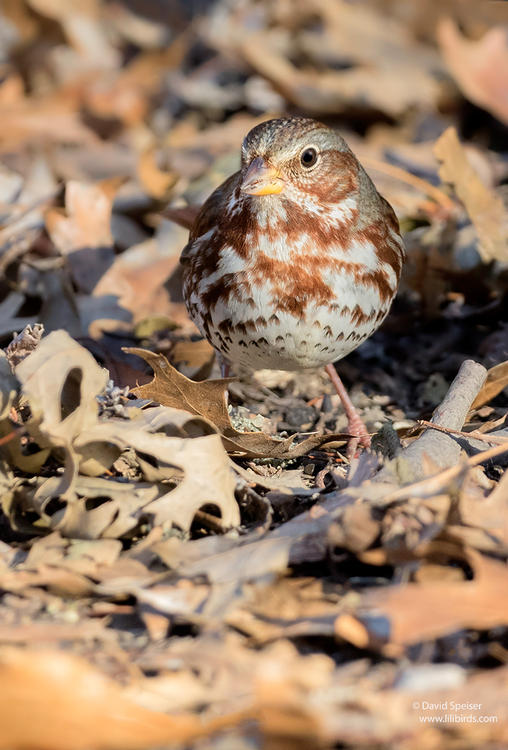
[(359, 317), (387, 250), (293, 287), (227, 287), (322, 233)]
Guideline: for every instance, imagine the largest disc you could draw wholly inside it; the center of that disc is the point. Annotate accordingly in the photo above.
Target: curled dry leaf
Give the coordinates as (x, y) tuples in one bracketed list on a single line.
[(175, 458), (484, 518), (61, 380), (208, 399), (484, 207), (115, 513)]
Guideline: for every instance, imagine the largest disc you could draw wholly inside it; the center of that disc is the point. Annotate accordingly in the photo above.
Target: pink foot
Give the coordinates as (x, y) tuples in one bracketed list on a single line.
[(355, 425), (361, 437)]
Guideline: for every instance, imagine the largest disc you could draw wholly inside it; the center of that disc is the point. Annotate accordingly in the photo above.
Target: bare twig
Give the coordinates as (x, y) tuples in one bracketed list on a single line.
[(439, 448), (485, 438)]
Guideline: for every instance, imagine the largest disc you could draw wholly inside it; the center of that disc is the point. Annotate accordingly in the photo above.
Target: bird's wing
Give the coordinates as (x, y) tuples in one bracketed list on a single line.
[(211, 211)]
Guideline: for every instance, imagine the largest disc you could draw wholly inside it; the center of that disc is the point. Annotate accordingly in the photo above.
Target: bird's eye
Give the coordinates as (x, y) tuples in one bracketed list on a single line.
[(308, 157)]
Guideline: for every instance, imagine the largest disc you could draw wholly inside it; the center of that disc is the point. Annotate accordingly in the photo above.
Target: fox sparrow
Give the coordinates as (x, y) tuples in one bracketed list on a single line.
[(294, 260)]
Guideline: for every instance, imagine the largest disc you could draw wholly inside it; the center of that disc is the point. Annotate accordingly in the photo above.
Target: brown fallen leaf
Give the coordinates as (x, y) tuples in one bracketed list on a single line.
[(53, 633), (60, 380), (81, 556), (212, 485), (198, 356), (222, 561), (375, 50), (116, 510), (157, 183), (402, 615), (137, 279), (484, 518), (42, 119), (208, 399), (125, 94), (355, 529), (120, 505), (56, 701), (497, 380), (484, 207), (87, 244), (480, 67)]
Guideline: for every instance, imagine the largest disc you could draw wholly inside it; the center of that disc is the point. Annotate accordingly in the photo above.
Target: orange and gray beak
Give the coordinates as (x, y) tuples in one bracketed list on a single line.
[(261, 179)]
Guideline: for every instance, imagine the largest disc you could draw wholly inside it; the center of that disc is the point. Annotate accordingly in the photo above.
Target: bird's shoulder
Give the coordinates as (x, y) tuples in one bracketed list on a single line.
[(211, 213)]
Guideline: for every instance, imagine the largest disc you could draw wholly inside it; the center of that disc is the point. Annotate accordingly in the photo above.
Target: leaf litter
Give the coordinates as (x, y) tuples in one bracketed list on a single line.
[(188, 561)]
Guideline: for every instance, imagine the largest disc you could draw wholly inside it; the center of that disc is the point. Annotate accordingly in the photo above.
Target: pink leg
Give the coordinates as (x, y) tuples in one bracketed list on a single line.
[(355, 425), (225, 369)]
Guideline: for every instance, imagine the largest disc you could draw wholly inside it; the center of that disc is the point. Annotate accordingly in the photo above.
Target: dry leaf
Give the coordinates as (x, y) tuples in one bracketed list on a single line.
[(483, 517), (212, 484), (137, 280), (355, 529), (208, 399), (484, 207), (120, 506), (479, 67), (416, 612), (497, 381), (83, 232), (56, 701), (157, 183), (223, 561), (61, 380), (351, 33), (41, 119), (115, 512)]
